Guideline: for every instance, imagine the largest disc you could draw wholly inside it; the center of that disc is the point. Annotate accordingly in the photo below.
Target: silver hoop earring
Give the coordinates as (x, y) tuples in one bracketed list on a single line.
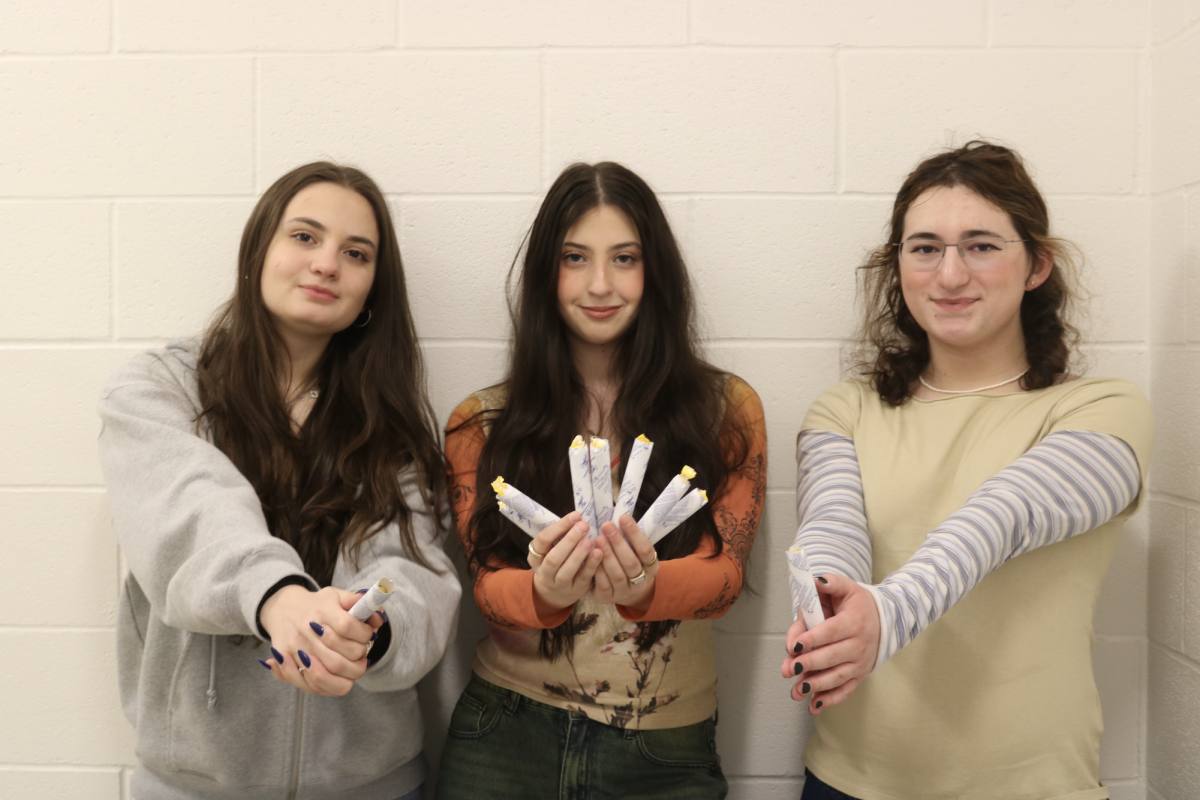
[(365, 322)]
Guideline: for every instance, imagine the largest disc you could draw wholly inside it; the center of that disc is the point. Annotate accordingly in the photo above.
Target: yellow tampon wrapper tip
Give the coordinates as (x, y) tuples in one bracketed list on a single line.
[(795, 549), (502, 506), (687, 472), (598, 442), (577, 443), (498, 485), (703, 495), (642, 438)]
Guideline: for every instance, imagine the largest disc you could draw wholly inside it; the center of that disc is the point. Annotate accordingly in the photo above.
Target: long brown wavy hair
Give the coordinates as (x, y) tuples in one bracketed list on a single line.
[(893, 349), (336, 483), (667, 390)]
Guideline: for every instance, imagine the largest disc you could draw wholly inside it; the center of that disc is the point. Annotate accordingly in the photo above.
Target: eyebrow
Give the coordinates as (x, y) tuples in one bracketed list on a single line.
[(312, 223), (620, 246), (966, 234)]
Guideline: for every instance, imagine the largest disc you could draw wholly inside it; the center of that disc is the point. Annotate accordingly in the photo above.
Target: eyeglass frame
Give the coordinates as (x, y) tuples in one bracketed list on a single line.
[(957, 246)]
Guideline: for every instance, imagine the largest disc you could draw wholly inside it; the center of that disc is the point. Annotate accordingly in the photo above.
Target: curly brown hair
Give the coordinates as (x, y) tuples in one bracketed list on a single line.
[(893, 350)]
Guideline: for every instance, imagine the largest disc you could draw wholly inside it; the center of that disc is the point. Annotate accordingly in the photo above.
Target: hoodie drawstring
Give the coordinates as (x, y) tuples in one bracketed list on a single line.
[(212, 675)]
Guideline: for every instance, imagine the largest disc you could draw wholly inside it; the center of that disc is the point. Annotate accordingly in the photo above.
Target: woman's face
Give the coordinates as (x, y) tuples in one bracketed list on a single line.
[(958, 306), (600, 276), (321, 261)]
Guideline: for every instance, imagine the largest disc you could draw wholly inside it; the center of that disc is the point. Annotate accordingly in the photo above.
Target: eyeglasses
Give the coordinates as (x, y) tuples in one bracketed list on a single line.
[(978, 252)]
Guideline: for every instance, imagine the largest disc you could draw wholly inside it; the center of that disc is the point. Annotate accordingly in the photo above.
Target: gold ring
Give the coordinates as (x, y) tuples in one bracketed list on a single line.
[(638, 579), (652, 561), (535, 552)]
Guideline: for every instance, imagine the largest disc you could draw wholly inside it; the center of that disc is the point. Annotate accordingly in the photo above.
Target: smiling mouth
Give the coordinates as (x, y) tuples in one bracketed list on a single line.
[(954, 305), (600, 312), (318, 293)]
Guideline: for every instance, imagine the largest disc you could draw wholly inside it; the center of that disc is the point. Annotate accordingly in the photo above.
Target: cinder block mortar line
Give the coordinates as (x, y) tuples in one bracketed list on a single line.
[(112, 270), (1173, 499), (60, 768), (1176, 656), (155, 55), (44, 488), (57, 628), (81, 344)]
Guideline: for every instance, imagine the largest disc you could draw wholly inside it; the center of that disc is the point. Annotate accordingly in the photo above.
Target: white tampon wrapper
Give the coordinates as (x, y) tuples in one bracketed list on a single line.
[(520, 520), (601, 462), (523, 504), (635, 472), (692, 502), (676, 489), (581, 482), (373, 600), (804, 589)]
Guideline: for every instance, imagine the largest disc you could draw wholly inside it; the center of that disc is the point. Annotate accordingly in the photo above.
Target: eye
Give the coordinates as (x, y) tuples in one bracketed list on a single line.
[(923, 247), (984, 246), (359, 255), (303, 236), (574, 259), (626, 259)]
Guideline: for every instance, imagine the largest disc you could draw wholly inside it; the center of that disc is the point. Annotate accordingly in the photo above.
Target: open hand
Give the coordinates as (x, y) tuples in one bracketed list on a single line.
[(563, 560), (628, 556)]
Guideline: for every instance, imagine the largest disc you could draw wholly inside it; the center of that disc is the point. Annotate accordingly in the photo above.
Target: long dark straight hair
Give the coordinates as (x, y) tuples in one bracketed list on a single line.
[(337, 483), (893, 349), (667, 390)]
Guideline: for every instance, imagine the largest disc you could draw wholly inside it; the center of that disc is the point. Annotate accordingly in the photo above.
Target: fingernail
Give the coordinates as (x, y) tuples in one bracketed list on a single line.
[(304, 659), (805, 688), (821, 578), (361, 591), (317, 628), (798, 648), (798, 668), (374, 635), (820, 703), (278, 656), (265, 664)]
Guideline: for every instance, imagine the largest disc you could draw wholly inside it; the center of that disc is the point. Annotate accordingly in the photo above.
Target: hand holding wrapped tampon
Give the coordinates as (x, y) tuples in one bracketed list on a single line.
[(522, 510), (804, 589), (373, 600)]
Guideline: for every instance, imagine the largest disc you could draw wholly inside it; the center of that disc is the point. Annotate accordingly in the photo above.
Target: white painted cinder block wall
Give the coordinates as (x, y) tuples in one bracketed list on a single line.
[(135, 135)]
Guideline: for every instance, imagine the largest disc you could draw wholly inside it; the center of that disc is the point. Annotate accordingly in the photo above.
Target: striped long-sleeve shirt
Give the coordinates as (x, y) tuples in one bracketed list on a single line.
[(1070, 482)]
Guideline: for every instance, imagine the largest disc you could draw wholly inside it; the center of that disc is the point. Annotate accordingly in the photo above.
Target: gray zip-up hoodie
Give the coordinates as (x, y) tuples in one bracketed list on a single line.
[(211, 722)]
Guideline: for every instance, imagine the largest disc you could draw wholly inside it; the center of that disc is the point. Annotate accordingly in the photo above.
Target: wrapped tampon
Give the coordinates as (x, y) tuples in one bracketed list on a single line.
[(692, 502), (635, 472), (523, 504), (581, 481), (676, 489), (601, 463), (520, 520), (373, 600), (804, 589)]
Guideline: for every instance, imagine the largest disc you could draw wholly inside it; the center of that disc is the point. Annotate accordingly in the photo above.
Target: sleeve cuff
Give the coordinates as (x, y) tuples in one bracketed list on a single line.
[(289, 580), (882, 655)]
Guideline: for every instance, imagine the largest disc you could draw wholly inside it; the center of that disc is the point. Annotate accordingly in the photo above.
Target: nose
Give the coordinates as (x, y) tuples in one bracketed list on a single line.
[(953, 272), (599, 284), (325, 261)]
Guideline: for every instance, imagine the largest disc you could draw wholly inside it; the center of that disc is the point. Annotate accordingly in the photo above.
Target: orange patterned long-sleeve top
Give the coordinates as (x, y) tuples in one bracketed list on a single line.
[(668, 685)]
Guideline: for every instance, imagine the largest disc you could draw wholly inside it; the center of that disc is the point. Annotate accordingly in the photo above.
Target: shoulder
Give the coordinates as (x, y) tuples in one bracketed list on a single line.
[(1105, 405), (838, 408), (475, 406), (171, 368), (740, 395)]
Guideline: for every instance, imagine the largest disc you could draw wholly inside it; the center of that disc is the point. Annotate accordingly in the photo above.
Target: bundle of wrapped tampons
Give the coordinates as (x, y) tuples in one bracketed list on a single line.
[(804, 589), (591, 480)]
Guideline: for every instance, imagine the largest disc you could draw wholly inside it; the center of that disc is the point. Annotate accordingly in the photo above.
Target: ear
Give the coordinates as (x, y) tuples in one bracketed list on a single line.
[(1043, 265)]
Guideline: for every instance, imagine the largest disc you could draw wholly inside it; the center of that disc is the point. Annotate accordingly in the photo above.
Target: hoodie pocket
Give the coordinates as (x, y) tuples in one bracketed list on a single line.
[(242, 739)]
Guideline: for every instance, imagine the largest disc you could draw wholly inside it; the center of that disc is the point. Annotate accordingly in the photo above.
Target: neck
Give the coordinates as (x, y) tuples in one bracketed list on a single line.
[(595, 364), (304, 352), (961, 369)]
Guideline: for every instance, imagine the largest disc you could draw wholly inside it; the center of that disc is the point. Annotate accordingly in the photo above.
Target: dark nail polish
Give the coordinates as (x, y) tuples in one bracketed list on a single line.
[(384, 615), (799, 647), (317, 628), (361, 591), (265, 664), (797, 668), (820, 703), (304, 659), (374, 635), (821, 578), (278, 656), (805, 688)]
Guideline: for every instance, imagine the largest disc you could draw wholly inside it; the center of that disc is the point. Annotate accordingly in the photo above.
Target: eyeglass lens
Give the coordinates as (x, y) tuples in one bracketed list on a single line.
[(979, 252)]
